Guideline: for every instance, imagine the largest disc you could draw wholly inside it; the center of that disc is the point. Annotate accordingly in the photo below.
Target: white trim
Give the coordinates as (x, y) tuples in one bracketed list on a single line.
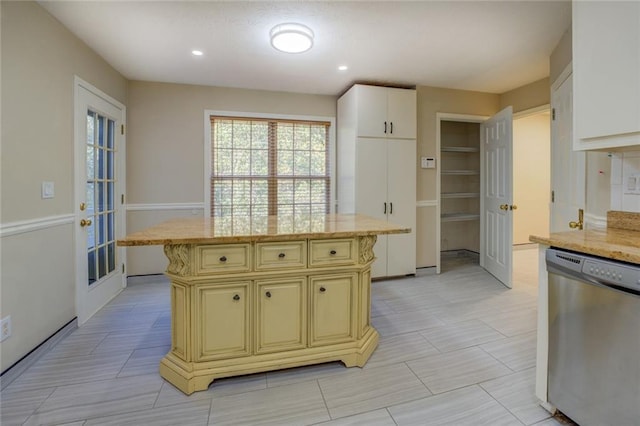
[(164, 206), (78, 82), (427, 203), (207, 145), (20, 227), (595, 221), (445, 116), (566, 72)]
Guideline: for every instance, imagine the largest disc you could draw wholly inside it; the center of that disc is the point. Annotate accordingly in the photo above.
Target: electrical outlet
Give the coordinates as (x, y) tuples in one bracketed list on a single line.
[(5, 328)]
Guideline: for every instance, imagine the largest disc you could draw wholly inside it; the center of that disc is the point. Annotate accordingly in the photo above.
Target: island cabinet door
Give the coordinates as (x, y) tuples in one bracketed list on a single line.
[(281, 314), (222, 321), (333, 308)]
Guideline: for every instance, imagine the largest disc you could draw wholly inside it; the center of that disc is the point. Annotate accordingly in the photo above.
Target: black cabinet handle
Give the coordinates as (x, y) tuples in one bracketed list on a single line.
[(268, 294), (236, 297), (281, 255), (223, 259), (322, 289), (385, 127), (391, 211), (385, 208), (392, 127), (333, 252)]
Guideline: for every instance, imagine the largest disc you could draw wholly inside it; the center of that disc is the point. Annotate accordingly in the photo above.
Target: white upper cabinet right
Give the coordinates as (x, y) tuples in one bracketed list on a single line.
[(385, 112), (606, 74)]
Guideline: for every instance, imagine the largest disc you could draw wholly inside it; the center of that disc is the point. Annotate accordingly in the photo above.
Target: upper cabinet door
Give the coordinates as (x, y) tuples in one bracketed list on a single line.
[(606, 74), (401, 113), (372, 111)]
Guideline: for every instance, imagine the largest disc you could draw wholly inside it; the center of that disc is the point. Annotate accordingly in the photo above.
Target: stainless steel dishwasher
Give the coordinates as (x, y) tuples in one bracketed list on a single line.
[(594, 339)]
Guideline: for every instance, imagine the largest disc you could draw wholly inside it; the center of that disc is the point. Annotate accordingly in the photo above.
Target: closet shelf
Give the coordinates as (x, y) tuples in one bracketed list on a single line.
[(458, 217), (460, 195), (460, 172), (459, 149)]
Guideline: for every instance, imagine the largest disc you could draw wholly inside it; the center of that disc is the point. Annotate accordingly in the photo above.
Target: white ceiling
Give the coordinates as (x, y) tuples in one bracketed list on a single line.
[(488, 46)]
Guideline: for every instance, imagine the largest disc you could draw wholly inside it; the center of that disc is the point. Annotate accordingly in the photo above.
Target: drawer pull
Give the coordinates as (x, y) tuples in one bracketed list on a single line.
[(268, 294), (281, 255), (223, 259), (322, 289), (236, 297), (333, 252)]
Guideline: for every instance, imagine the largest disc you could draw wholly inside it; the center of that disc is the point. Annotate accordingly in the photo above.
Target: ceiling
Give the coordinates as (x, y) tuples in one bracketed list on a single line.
[(487, 46)]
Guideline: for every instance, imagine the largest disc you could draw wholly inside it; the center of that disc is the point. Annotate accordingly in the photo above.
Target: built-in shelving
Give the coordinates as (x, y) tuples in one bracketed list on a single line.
[(459, 217), (459, 149), (460, 194)]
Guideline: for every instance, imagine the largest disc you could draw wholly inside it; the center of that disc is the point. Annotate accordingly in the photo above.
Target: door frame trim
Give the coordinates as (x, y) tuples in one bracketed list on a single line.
[(79, 164), (445, 116)]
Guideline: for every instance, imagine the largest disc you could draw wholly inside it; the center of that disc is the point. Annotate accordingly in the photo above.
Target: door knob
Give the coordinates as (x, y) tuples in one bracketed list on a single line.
[(85, 222), (504, 206), (513, 207), (580, 223)]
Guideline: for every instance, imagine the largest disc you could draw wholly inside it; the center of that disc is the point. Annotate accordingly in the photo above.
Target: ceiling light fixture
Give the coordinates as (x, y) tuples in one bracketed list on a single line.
[(343, 68), (291, 38), (197, 52)]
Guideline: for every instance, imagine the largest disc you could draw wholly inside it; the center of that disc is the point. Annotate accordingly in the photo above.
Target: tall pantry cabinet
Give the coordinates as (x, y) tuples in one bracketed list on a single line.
[(377, 168)]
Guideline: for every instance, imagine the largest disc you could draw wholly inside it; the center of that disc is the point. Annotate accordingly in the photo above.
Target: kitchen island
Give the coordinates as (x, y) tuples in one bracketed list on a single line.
[(253, 294)]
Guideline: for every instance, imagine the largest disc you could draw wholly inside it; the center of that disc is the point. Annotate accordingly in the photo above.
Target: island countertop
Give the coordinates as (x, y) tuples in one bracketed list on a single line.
[(259, 228), (619, 241)]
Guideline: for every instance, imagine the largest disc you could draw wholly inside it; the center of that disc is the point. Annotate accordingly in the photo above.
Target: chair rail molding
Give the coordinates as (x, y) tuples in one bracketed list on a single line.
[(30, 225)]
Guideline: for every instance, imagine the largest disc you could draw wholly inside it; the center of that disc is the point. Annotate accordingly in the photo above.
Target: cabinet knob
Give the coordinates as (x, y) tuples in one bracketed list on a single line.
[(322, 289), (236, 297), (385, 127), (392, 127), (281, 255), (223, 259), (391, 208), (268, 294), (333, 252)]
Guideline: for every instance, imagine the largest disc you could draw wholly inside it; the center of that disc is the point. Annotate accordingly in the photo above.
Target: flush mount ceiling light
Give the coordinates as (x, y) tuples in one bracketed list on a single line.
[(197, 52), (291, 38)]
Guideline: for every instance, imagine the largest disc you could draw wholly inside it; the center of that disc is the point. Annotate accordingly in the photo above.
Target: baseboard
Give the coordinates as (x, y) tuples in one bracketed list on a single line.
[(145, 279), (13, 372)]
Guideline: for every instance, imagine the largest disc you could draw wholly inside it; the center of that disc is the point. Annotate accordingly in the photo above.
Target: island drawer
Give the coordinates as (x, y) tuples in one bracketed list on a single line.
[(222, 258), (281, 255), (332, 252)]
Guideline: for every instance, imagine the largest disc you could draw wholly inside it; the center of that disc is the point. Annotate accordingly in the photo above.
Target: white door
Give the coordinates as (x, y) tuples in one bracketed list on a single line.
[(496, 232), (567, 166), (99, 189), (371, 192), (401, 195)]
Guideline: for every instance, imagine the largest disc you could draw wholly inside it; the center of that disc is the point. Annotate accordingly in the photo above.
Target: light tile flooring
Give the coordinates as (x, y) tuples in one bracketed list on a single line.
[(456, 348)]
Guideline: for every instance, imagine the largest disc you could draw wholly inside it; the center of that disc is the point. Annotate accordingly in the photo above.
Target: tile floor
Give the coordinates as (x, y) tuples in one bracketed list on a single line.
[(456, 348)]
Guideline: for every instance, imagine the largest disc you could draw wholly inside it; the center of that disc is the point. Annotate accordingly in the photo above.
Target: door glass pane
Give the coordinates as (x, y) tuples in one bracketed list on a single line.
[(100, 196)]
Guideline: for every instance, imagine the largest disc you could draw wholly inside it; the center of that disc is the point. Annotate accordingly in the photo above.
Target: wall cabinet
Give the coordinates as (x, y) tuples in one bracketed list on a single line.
[(606, 70), (299, 302), (377, 170)]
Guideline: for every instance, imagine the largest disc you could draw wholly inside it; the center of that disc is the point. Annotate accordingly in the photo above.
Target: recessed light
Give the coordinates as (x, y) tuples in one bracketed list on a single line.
[(343, 68), (291, 38), (197, 52)]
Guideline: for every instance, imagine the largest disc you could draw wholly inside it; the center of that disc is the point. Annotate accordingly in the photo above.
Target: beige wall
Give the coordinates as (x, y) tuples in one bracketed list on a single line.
[(531, 176), (165, 147), (39, 60), (561, 56), (432, 100), (528, 96)]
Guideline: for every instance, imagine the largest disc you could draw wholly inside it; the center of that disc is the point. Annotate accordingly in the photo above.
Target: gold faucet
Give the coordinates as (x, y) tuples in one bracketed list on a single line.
[(580, 223)]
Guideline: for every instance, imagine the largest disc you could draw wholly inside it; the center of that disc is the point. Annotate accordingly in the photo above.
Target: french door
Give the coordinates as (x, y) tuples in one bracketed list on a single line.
[(99, 189)]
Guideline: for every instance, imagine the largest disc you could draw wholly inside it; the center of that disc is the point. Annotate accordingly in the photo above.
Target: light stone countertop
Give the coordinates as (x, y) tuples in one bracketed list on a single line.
[(619, 241), (259, 228)]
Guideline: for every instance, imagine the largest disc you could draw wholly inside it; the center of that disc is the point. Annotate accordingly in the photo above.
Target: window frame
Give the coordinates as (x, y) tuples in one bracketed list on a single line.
[(262, 116)]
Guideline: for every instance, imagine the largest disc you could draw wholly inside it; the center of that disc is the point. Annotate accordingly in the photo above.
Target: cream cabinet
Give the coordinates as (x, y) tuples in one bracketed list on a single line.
[(606, 70), (385, 112), (249, 307), (377, 173)]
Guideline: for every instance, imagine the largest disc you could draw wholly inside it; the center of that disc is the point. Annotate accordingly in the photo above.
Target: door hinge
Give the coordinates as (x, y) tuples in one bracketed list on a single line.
[(121, 198), (553, 196), (553, 113), (122, 129)]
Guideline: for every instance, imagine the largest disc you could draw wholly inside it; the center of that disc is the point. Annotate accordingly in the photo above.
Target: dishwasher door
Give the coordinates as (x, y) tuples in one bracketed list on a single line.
[(594, 352)]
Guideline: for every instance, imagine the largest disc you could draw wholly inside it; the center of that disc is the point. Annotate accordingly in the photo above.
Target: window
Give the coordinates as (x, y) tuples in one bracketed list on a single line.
[(263, 167)]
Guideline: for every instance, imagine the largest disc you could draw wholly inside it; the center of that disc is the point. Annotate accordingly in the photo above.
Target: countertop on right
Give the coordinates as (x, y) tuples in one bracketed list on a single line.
[(619, 241)]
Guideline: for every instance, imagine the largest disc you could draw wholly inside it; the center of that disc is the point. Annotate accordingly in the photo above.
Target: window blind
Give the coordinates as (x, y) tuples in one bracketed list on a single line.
[(265, 167)]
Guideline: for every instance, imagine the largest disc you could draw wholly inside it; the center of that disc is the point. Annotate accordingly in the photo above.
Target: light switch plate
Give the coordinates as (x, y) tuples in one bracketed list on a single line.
[(48, 190)]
